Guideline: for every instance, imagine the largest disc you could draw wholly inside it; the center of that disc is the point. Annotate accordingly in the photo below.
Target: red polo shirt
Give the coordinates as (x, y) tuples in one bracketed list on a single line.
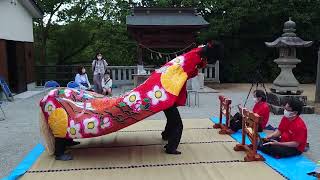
[(262, 109), (294, 130)]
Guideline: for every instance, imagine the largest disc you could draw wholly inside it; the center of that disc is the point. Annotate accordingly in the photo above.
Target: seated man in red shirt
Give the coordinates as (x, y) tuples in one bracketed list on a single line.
[(261, 107), (292, 133)]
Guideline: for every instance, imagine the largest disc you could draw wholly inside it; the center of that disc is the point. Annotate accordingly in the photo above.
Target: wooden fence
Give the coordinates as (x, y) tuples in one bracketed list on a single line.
[(121, 75)]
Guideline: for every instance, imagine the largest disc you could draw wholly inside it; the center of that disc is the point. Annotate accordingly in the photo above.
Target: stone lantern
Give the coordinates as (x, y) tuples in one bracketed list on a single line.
[(286, 85)]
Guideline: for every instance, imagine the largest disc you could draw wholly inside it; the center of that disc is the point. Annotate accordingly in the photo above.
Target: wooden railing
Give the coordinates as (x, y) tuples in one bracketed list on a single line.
[(211, 73), (121, 75)]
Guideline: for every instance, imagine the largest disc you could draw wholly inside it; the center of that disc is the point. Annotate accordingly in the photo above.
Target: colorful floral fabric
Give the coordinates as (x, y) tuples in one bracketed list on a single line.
[(74, 114), (74, 130), (157, 94)]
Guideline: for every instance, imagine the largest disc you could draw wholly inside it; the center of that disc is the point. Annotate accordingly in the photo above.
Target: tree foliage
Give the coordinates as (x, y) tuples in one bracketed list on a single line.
[(74, 30)]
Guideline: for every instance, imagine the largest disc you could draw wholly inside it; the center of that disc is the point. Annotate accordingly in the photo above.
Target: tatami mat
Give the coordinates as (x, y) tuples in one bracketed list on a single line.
[(137, 153), (214, 171)]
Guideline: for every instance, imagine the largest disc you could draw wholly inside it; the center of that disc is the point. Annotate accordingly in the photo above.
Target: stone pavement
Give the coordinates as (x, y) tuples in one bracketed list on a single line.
[(19, 133)]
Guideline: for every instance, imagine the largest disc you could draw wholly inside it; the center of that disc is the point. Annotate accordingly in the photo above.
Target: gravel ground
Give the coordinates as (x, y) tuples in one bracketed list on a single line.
[(19, 133)]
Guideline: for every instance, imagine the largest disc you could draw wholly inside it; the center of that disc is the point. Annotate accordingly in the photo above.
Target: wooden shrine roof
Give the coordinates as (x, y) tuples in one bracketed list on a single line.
[(165, 17)]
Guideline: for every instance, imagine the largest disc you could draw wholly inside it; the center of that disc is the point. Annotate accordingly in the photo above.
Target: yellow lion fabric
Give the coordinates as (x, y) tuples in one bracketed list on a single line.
[(58, 123), (174, 79)]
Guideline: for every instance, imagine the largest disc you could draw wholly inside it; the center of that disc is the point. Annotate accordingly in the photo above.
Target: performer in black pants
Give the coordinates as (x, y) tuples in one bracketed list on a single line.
[(173, 130), (60, 147)]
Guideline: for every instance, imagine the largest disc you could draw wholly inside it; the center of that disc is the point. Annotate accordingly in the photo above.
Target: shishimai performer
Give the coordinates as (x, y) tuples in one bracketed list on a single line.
[(68, 114)]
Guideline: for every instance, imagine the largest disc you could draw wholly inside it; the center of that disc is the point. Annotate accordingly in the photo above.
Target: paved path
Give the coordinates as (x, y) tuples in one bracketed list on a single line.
[(20, 132)]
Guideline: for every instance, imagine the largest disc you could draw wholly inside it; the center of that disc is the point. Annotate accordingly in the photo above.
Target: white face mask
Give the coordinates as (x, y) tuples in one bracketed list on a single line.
[(288, 114), (255, 99)]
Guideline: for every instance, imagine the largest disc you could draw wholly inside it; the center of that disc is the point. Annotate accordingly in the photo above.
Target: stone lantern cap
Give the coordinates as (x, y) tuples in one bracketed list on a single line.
[(289, 37)]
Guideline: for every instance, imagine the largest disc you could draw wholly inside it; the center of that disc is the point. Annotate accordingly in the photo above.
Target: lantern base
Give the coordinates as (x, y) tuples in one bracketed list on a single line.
[(295, 90), (277, 102)]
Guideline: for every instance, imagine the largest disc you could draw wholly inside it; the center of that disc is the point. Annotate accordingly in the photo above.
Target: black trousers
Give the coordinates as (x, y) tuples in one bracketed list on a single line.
[(278, 151), (174, 127), (60, 145), (236, 123)]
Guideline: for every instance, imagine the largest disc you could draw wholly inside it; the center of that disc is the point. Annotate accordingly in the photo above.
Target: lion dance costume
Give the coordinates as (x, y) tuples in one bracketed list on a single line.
[(73, 114)]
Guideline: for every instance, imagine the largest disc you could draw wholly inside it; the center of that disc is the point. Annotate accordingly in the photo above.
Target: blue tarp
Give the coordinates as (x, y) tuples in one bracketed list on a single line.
[(293, 168), (26, 163)]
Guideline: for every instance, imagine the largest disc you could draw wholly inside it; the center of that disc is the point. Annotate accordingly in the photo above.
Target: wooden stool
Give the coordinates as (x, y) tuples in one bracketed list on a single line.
[(250, 122), (225, 109)]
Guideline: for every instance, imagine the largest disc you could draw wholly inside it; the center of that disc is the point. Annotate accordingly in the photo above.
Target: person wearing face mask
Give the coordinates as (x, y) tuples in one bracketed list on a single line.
[(82, 78), (99, 67), (261, 107), (290, 138)]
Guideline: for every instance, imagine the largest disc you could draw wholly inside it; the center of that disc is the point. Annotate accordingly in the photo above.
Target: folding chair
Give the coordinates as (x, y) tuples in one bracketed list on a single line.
[(225, 109), (73, 84), (6, 89), (4, 115), (51, 84), (250, 122)]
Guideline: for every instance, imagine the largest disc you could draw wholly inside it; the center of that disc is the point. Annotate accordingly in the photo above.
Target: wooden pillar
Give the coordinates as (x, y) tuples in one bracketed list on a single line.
[(3, 60), (139, 52), (317, 98), (20, 71), (216, 72), (30, 65)]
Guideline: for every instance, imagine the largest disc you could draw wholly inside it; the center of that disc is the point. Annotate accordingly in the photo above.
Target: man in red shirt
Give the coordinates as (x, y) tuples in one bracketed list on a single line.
[(261, 107), (291, 134)]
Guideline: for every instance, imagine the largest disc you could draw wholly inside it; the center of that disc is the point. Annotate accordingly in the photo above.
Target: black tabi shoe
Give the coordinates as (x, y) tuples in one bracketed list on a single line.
[(64, 157), (175, 152)]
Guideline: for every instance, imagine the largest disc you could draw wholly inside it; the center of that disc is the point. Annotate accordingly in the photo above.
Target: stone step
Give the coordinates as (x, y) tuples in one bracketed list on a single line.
[(281, 100), (278, 110)]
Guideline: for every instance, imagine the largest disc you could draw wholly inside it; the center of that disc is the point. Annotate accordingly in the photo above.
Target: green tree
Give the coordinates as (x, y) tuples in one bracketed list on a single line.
[(58, 13), (73, 30), (244, 26), (50, 9)]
